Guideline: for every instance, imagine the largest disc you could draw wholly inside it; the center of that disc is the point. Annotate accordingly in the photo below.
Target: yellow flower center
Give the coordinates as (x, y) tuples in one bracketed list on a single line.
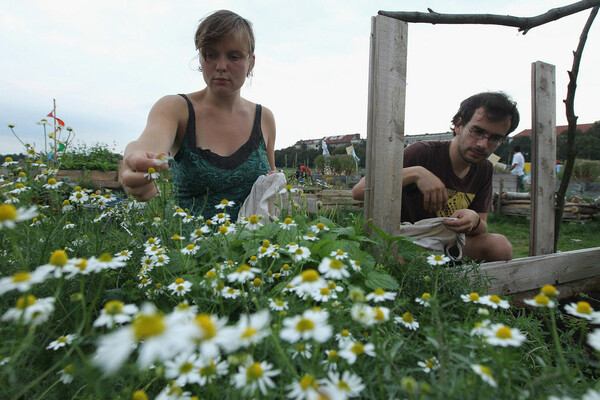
[(151, 170), (495, 299), (407, 317), (211, 275), (504, 333), (179, 281), (223, 230), (485, 370), (583, 307), (139, 395), (253, 219), (8, 159), (69, 369), (24, 302), (190, 246), (340, 252), (113, 307), (426, 296), (325, 291), (62, 339), (224, 202), (256, 282), (430, 363), (21, 277), (209, 369), (243, 268), (333, 356), (542, 299), (207, 325), (248, 333), (549, 290), (379, 315), (336, 264), (288, 221), (105, 257), (186, 367), (7, 212), (146, 326), (59, 258), (320, 226), (358, 348), (305, 325), (379, 292), (310, 275), (254, 372), (474, 297), (52, 181), (345, 333), (307, 381)]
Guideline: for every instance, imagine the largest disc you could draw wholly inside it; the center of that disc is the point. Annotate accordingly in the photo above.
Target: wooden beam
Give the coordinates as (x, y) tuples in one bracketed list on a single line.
[(543, 158), (530, 273), (385, 123)]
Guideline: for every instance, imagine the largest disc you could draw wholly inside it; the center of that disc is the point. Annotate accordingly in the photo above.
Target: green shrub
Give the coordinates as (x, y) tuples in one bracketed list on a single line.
[(96, 157)]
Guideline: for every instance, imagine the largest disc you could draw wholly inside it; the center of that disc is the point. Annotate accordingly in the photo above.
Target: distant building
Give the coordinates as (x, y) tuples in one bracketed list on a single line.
[(559, 129), (410, 139), (332, 141)]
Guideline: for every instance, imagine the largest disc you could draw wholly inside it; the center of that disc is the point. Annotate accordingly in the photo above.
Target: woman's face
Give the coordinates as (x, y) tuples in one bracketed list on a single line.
[(226, 64)]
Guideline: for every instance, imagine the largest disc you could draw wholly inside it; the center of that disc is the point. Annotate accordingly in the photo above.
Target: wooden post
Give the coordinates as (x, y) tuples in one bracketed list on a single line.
[(385, 123), (543, 158)]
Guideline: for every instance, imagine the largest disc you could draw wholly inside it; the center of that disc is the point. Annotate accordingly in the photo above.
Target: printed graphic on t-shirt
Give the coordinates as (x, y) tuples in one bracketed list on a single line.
[(456, 201)]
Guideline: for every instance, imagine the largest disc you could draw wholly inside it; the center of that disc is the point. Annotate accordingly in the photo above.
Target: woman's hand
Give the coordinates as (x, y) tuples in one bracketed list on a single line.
[(136, 180)]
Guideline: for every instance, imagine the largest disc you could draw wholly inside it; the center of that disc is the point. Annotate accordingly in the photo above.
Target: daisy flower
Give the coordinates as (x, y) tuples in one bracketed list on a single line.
[(173, 392), (310, 237), (30, 310), (22, 281), (9, 161), (287, 224), (180, 287), (255, 376), (115, 312), (243, 273), (124, 255), (79, 197), (226, 229), (352, 350), (301, 253), (437, 259), (502, 335), (52, 184), (333, 268), (66, 374), (250, 330), (408, 321), (582, 309), (9, 214), (288, 189), (339, 254), (151, 174), (382, 314), (302, 350), (424, 299), (429, 365), (345, 386), (319, 227), (331, 359), (493, 301), (210, 370), (480, 328), (355, 265), (224, 204), (106, 261), (470, 298), (380, 295), (309, 325), (183, 369), (69, 225), (220, 218), (180, 212), (549, 291), (343, 337), (363, 313), (307, 282), (541, 300), (485, 373), (323, 295), (253, 223), (278, 304), (304, 389), (190, 249), (62, 341)]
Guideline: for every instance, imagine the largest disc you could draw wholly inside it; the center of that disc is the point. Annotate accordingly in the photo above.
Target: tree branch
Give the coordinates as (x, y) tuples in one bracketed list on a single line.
[(523, 23), (572, 120)]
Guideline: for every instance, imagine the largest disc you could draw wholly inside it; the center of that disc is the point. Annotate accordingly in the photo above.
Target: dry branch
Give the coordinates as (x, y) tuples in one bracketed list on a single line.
[(523, 23)]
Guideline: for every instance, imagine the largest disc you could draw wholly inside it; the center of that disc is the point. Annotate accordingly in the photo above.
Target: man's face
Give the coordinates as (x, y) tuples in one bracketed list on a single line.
[(479, 137)]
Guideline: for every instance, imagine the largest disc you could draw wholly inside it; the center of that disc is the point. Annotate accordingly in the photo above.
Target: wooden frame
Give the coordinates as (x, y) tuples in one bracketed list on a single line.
[(385, 147)]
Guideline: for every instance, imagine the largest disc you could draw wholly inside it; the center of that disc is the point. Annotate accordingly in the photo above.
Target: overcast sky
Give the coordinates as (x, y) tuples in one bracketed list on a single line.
[(107, 62)]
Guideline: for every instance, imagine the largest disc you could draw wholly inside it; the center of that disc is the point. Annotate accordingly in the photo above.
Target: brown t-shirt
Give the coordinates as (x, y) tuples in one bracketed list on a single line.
[(474, 191)]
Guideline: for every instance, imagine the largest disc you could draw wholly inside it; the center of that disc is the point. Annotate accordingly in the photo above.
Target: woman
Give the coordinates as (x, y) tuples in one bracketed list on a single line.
[(220, 142)]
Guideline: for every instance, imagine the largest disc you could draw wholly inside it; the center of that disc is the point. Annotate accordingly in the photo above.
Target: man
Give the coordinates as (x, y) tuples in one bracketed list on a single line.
[(454, 179), (517, 167)]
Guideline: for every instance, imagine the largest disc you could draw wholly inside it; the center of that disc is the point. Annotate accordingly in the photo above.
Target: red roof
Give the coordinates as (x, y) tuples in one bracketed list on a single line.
[(559, 129)]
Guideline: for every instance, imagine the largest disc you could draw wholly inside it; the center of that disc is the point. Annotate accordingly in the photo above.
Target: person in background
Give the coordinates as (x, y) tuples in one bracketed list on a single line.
[(220, 143), (454, 178), (518, 167)]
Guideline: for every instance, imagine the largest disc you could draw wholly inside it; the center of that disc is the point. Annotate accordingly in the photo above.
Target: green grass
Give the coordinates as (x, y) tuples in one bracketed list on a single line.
[(574, 235)]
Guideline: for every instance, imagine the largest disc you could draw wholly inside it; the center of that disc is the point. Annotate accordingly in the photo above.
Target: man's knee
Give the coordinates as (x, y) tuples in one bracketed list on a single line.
[(503, 249), (488, 247)]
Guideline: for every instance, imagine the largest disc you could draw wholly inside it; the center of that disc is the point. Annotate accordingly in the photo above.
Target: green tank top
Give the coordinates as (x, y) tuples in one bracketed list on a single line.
[(201, 178)]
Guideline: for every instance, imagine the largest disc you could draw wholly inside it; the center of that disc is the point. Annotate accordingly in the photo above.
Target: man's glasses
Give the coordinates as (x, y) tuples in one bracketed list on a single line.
[(479, 134)]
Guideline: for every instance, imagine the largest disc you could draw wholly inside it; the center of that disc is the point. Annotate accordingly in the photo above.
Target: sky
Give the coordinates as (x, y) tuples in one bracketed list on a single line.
[(105, 63)]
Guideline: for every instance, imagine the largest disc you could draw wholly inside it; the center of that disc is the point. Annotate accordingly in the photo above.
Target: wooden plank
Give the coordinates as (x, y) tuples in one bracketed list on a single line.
[(530, 273), (385, 124), (543, 158)]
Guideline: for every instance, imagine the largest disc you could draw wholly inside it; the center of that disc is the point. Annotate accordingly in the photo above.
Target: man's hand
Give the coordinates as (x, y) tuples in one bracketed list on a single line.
[(466, 221), (434, 191), (136, 180)]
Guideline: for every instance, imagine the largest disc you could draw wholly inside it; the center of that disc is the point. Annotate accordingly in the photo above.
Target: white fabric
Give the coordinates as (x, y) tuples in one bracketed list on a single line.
[(264, 198), (519, 160), (433, 235)]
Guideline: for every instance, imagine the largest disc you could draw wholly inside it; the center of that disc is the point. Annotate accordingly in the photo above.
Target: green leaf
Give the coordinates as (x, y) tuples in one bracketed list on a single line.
[(378, 279)]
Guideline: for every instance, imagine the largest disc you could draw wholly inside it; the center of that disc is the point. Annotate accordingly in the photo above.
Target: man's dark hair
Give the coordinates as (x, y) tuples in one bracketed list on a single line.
[(517, 148), (497, 107)]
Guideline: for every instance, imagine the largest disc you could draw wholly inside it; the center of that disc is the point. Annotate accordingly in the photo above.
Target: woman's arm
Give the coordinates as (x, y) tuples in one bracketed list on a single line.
[(268, 128)]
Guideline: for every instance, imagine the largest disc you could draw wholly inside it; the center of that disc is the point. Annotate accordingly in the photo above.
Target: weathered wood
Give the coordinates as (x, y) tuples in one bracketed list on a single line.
[(529, 273), (385, 126), (543, 157)]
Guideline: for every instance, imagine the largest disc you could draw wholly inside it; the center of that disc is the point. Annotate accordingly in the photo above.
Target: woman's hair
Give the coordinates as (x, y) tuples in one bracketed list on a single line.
[(497, 107), (220, 24)]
